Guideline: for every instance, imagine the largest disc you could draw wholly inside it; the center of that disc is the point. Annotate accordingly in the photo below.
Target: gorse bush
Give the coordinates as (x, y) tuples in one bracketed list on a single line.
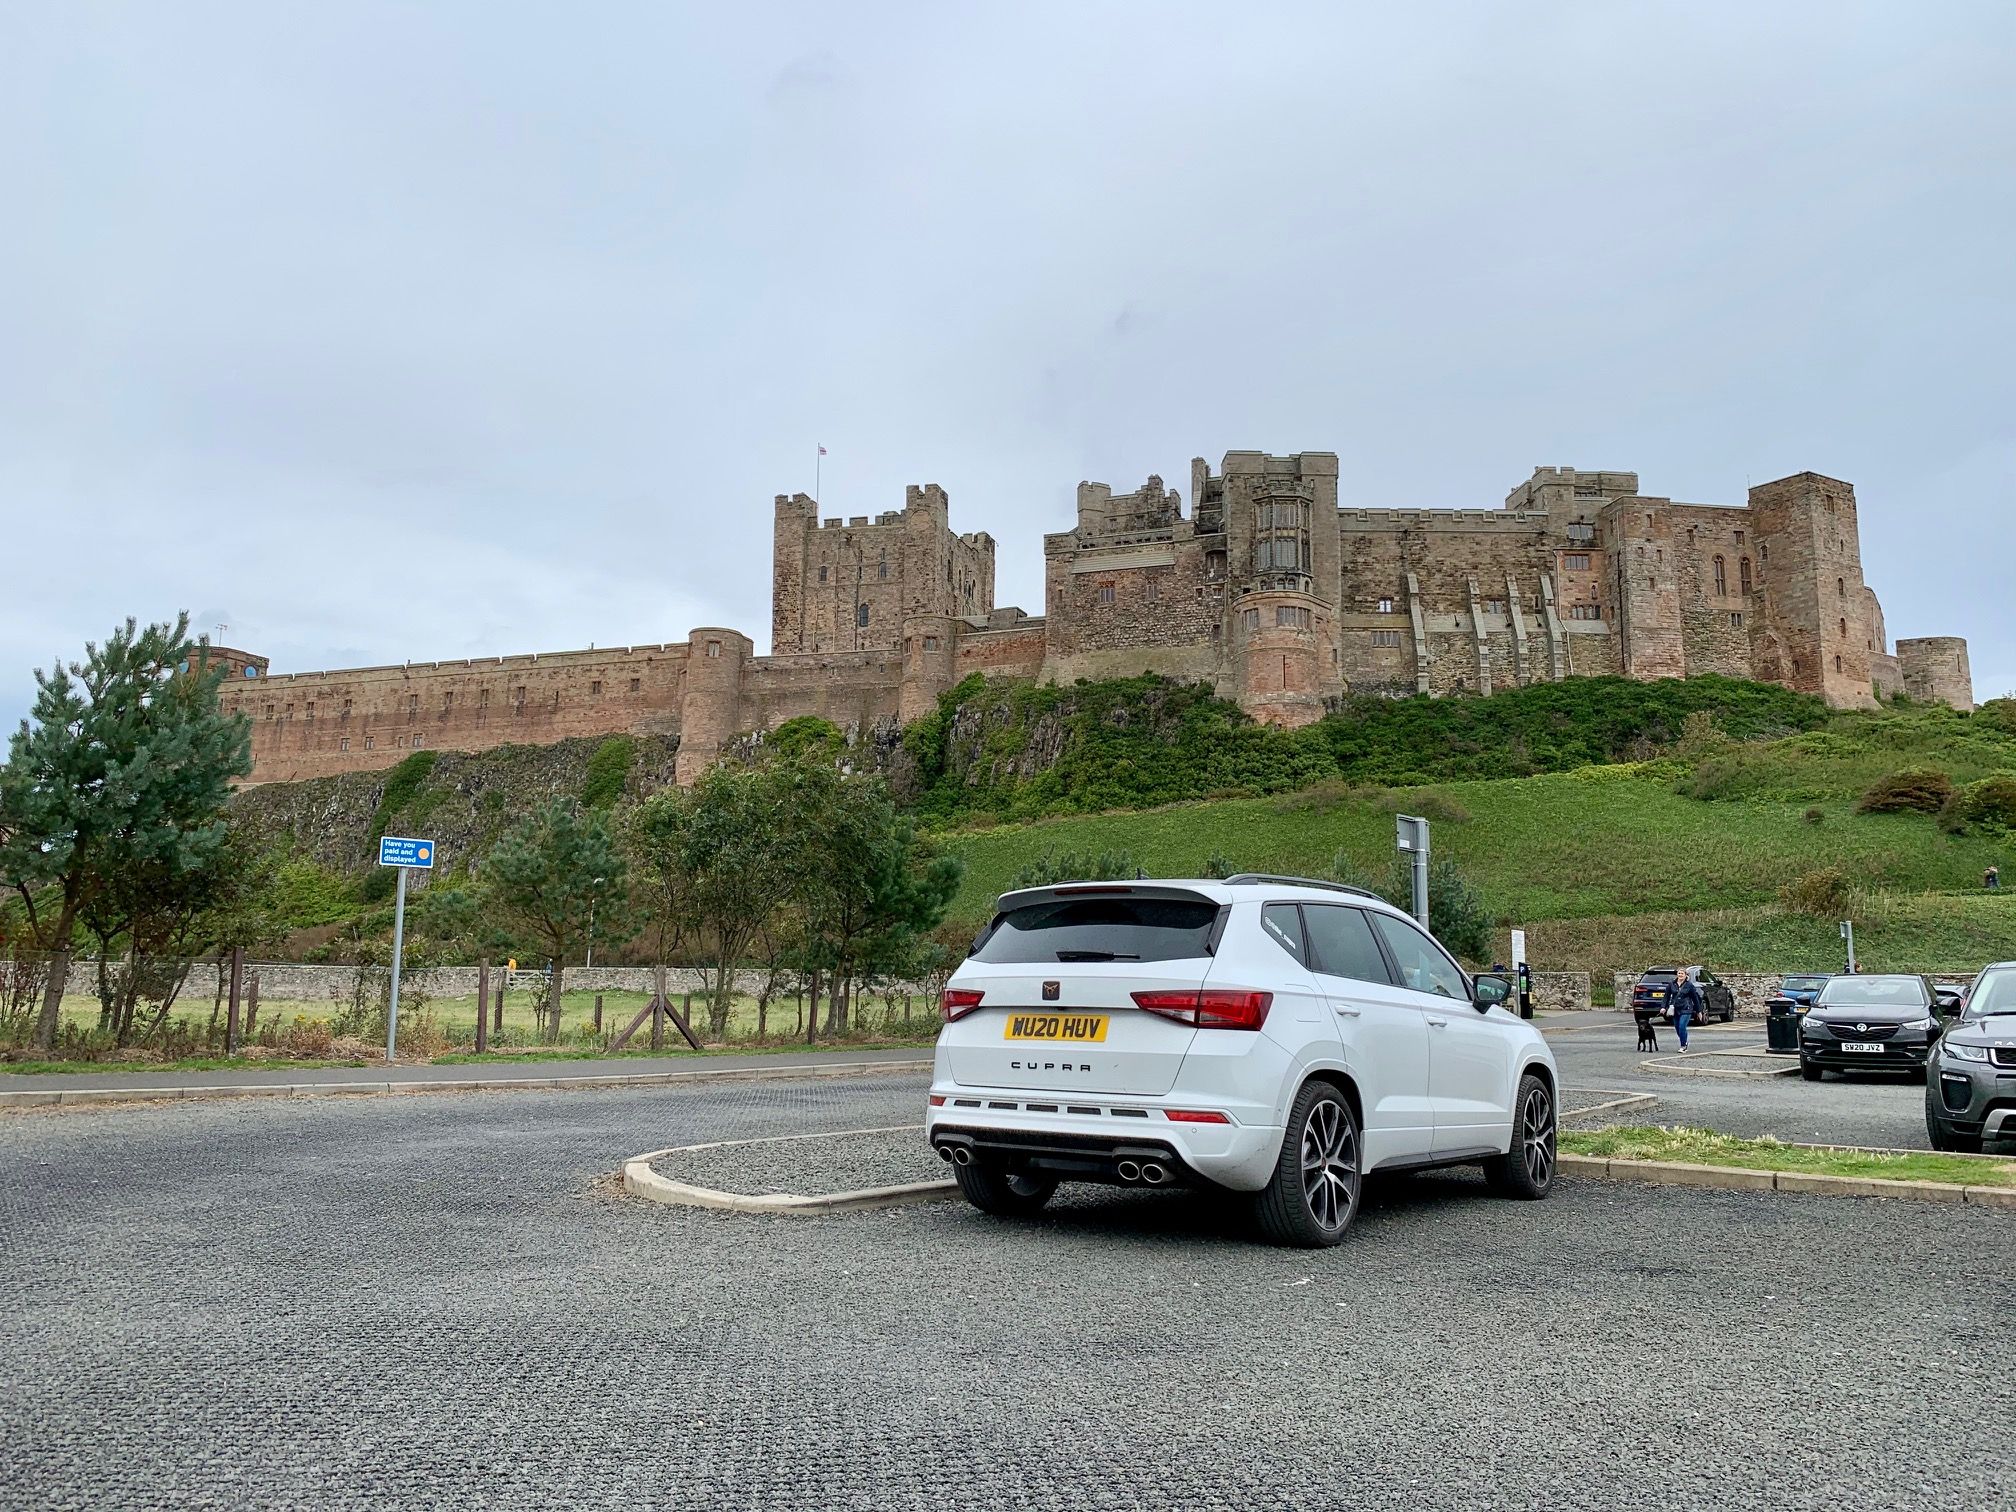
[(608, 770), (1821, 894), (1991, 801), (1077, 866), (1919, 790), (402, 786)]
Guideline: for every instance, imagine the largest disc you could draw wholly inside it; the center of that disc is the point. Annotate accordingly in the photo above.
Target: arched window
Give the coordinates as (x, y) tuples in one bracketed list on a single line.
[(1721, 577), (1840, 587), (861, 616), (1743, 574)]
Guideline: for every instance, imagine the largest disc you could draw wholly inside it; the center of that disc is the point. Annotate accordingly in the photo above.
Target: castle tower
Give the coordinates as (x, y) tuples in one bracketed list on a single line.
[(1813, 630), (930, 660), (1935, 669), (710, 704), (796, 526), (1283, 560), (1641, 587)]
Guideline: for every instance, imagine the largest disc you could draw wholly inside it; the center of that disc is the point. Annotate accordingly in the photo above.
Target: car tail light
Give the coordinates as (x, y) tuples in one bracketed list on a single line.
[(1209, 1007), (957, 1002), (1186, 1115), (937, 1101)]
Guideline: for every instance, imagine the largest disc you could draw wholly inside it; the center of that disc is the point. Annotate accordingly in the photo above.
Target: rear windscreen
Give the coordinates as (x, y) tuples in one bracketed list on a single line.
[(1100, 929)]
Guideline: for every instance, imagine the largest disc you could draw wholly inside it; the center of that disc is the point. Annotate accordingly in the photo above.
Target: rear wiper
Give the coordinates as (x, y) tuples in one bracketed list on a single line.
[(1094, 955)]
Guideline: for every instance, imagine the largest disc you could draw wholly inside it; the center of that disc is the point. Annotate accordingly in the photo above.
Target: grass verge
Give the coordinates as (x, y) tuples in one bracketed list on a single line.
[(1706, 1147)]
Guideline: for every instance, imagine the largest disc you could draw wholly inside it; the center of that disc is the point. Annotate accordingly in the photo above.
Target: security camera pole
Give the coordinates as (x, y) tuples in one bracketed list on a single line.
[(405, 854), (1413, 840), (1848, 934)]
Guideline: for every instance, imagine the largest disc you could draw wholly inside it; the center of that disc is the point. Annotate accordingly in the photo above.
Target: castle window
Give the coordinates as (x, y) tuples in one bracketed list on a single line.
[(636, 684), (882, 566), (399, 742), (518, 695), (713, 649), (1105, 593), (1291, 615), (370, 741), (1844, 629), (482, 698), (930, 643), (1736, 620), (1214, 564), (289, 711), (1385, 606), (1721, 578), (1250, 618), (1739, 538), (1494, 606), (1585, 611), (269, 711), (1575, 561), (309, 712), (251, 671), (419, 741), (1841, 588), (343, 744), (1217, 633), (1581, 533), (822, 572), (412, 703), (346, 708), (595, 686), (1743, 574), (1153, 590), (1588, 491), (1763, 551), (1651, 585), (1281, 543), (1386, 639), (860, 617), (1837, 660)]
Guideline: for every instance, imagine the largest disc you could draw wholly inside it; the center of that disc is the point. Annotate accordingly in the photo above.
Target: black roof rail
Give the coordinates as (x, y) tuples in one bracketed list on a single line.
[(1248, 879)]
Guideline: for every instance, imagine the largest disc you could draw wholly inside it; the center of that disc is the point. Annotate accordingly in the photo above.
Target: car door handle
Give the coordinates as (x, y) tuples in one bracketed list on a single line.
[(1435, 1023), (1350, 1012)]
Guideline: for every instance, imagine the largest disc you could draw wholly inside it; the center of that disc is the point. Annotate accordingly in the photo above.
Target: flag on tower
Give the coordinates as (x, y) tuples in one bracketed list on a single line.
[(822, 451)]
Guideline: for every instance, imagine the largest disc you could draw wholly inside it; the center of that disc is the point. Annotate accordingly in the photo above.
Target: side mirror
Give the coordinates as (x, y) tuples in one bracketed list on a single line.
[(1489, 992)]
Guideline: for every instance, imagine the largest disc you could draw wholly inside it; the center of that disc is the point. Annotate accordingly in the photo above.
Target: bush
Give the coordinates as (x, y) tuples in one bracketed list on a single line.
[(1990, 801), (402, 786), (1917, 790), (1220, 865), (1457, 912), (1814, 816), (608, 770), (1076, 866), (1821, 894)]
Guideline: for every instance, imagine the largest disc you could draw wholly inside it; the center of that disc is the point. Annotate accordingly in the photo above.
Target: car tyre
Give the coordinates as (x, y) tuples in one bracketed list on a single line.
[(1526, 1171), (1313, 1195), (1811, 1073), (1946, 1140), (996, 1191)]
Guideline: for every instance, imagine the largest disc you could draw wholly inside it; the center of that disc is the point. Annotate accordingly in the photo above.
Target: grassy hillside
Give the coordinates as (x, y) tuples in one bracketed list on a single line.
[(1595, 851)]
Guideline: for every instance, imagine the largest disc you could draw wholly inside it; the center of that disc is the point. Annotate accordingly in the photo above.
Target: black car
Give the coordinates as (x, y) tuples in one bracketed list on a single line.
[(1869, 1023), (1654, 993), (1973, 1098)]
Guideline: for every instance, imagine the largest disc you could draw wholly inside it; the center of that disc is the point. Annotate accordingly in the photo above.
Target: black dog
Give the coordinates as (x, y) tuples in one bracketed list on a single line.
[(1648, 1032)]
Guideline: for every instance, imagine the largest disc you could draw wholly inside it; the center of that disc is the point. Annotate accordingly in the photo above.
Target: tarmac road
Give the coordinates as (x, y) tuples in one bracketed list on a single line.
[(428, 1300)]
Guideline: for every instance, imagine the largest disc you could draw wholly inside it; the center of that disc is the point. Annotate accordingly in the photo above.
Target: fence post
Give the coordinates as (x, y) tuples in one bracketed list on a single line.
[(598, 1013), (482, 1006), (252, 1006), (503, 981), (237, 986)]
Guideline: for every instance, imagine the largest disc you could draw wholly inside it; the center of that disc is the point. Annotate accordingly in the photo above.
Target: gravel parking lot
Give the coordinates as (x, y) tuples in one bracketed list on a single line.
[(436, 1301)]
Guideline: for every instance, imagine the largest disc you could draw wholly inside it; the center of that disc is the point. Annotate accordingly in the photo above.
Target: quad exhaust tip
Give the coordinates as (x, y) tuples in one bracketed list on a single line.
[(960, 1155), (1128, 1170), (1153, 1172)]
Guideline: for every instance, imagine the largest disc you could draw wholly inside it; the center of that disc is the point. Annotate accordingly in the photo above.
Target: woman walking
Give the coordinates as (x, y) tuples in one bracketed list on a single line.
[(1687, 1001)]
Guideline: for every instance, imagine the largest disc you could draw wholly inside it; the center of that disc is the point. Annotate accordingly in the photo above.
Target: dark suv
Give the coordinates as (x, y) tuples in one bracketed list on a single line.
[(1869, 1023), (1654, 993), (1973, 1098)]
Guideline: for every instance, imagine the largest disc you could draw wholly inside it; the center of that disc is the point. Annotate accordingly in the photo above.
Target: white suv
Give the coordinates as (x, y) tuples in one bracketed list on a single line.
[(1267, 1035)]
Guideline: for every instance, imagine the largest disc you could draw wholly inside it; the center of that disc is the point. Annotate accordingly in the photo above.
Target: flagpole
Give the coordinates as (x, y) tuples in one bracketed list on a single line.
[(817, 463)]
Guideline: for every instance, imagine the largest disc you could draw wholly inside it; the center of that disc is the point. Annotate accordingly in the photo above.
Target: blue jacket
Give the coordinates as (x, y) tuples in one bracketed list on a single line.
[(1687, 998)]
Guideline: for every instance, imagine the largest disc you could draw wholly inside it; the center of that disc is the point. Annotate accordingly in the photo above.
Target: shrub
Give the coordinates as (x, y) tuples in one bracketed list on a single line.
[(1821, 894), (1220, 865), (1990, 801), (308, 1038), (1998, 714), (1815, 816), (608, 770), (402, 785), (1076, 866), (1916, 790)]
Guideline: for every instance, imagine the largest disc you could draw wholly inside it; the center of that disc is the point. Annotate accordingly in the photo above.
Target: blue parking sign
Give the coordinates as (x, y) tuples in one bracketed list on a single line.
[(393, 850)]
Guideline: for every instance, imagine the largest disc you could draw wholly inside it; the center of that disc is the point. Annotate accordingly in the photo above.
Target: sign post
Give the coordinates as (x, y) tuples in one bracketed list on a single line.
[(405, 854), (1848, 934), (1412, 839)]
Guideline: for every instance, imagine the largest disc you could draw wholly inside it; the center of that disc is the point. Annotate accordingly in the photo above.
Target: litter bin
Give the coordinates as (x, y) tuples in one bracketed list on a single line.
[(1781, 1026)]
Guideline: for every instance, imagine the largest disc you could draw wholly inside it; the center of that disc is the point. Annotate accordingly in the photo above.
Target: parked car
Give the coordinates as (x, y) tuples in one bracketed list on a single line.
[(1802, 990), (1654, 990), (1869, 1023), (1271, 1036), (1973, 1098), (1948, 999)]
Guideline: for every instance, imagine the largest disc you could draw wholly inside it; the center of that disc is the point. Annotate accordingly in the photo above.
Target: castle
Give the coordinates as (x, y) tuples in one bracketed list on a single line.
[(1268, 588)]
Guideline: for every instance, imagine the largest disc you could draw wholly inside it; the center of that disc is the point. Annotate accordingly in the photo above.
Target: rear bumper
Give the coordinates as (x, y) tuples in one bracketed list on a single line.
[(1000, 1125)]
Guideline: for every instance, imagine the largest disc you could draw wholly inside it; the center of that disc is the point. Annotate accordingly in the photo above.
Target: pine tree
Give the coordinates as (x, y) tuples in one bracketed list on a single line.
[(124, 763)]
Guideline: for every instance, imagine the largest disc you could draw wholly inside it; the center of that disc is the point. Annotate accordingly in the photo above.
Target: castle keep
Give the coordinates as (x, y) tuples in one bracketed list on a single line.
[(1269, 588)]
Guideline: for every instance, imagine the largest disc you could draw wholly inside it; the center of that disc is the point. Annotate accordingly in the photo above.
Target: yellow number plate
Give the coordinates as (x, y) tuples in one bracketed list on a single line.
[(1058, 1028)]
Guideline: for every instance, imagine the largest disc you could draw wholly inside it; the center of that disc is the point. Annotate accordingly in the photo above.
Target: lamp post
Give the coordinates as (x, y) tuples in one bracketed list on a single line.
[(595, 891)]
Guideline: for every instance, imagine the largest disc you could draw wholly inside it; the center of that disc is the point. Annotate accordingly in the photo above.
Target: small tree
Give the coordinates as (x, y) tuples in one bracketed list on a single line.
[(559, 877), (124, 762)]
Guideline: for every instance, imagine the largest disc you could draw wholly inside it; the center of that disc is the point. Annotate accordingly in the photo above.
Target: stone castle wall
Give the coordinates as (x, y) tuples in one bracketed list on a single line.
[(1268, 586)]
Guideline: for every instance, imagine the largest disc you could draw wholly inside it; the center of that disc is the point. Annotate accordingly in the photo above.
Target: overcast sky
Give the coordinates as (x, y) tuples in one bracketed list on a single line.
[(390, 331)]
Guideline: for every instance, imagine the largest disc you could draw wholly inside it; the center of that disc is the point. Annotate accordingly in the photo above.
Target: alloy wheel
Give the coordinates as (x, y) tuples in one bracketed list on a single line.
[(1329, 1165), (1537, 1129)]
